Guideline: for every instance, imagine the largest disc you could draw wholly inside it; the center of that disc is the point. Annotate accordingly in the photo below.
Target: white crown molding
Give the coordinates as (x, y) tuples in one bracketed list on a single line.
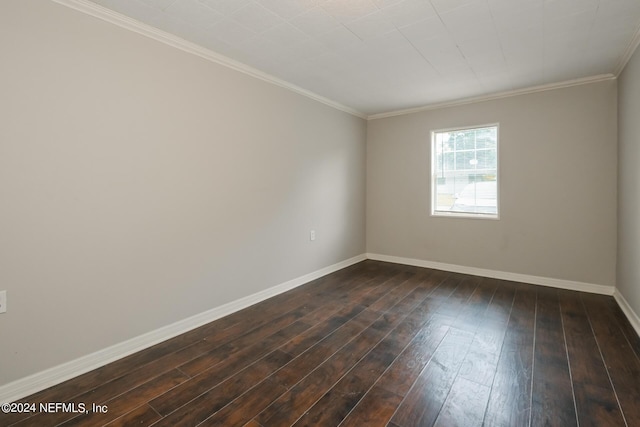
[(41, 380), (495, 274), (499, 95), (633, 45), (633, 317), (130, 24), (123, 21)]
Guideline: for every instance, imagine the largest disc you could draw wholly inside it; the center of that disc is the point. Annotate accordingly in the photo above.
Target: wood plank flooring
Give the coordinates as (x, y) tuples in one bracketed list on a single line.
[(378, 344)]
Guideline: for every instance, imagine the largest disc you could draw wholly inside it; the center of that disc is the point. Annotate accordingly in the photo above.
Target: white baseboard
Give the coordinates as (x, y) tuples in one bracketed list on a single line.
[(633, 317), (41, 380), (503, 275)]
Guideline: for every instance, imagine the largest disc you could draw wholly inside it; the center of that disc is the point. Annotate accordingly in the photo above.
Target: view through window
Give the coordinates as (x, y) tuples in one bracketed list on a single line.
[(465, 172)]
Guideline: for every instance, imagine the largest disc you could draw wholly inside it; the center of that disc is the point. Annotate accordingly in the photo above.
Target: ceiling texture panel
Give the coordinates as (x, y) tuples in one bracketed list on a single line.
[(380, 56)]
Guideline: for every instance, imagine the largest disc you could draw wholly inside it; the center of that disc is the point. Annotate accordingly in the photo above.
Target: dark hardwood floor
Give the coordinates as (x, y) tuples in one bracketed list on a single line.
[(378, 344)]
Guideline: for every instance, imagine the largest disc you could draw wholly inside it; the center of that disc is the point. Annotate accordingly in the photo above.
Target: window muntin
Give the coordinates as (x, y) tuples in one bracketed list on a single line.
[(465, 172)]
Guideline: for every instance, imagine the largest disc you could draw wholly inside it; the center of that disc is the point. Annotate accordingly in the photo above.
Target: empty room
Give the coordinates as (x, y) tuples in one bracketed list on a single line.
[(320, 212)]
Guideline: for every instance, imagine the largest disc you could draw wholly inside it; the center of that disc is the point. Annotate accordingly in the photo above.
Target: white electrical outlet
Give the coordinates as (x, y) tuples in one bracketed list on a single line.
[(312, 235), (3, 301)]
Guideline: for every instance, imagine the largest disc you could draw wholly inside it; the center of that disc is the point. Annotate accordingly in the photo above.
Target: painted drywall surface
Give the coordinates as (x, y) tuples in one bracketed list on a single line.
[(628, 279), (557, 152), (141, 185)]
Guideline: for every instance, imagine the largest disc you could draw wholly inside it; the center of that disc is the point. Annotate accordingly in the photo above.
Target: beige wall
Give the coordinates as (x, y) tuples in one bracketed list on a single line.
[(141, 185), (629, 183), (557, 154)]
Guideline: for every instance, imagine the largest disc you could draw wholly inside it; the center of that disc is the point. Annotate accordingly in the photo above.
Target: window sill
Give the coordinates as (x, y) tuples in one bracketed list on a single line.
[(444, 214)]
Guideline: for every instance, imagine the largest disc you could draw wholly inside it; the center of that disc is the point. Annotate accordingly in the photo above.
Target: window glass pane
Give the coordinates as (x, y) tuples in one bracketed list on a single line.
[(487, 159), (465, 178), (485, 142), (469, 140), (464, 160), (459, 138), (486, 138), (449, 161)]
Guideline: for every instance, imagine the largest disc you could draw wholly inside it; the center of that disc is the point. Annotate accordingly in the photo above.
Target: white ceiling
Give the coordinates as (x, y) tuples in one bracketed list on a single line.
[(378, 56)]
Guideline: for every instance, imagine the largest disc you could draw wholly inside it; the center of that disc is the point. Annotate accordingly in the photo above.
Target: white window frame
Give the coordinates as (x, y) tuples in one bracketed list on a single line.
[(434, 176)]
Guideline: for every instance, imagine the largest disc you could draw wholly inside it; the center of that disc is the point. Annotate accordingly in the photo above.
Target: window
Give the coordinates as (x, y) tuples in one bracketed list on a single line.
[(464, 172)]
